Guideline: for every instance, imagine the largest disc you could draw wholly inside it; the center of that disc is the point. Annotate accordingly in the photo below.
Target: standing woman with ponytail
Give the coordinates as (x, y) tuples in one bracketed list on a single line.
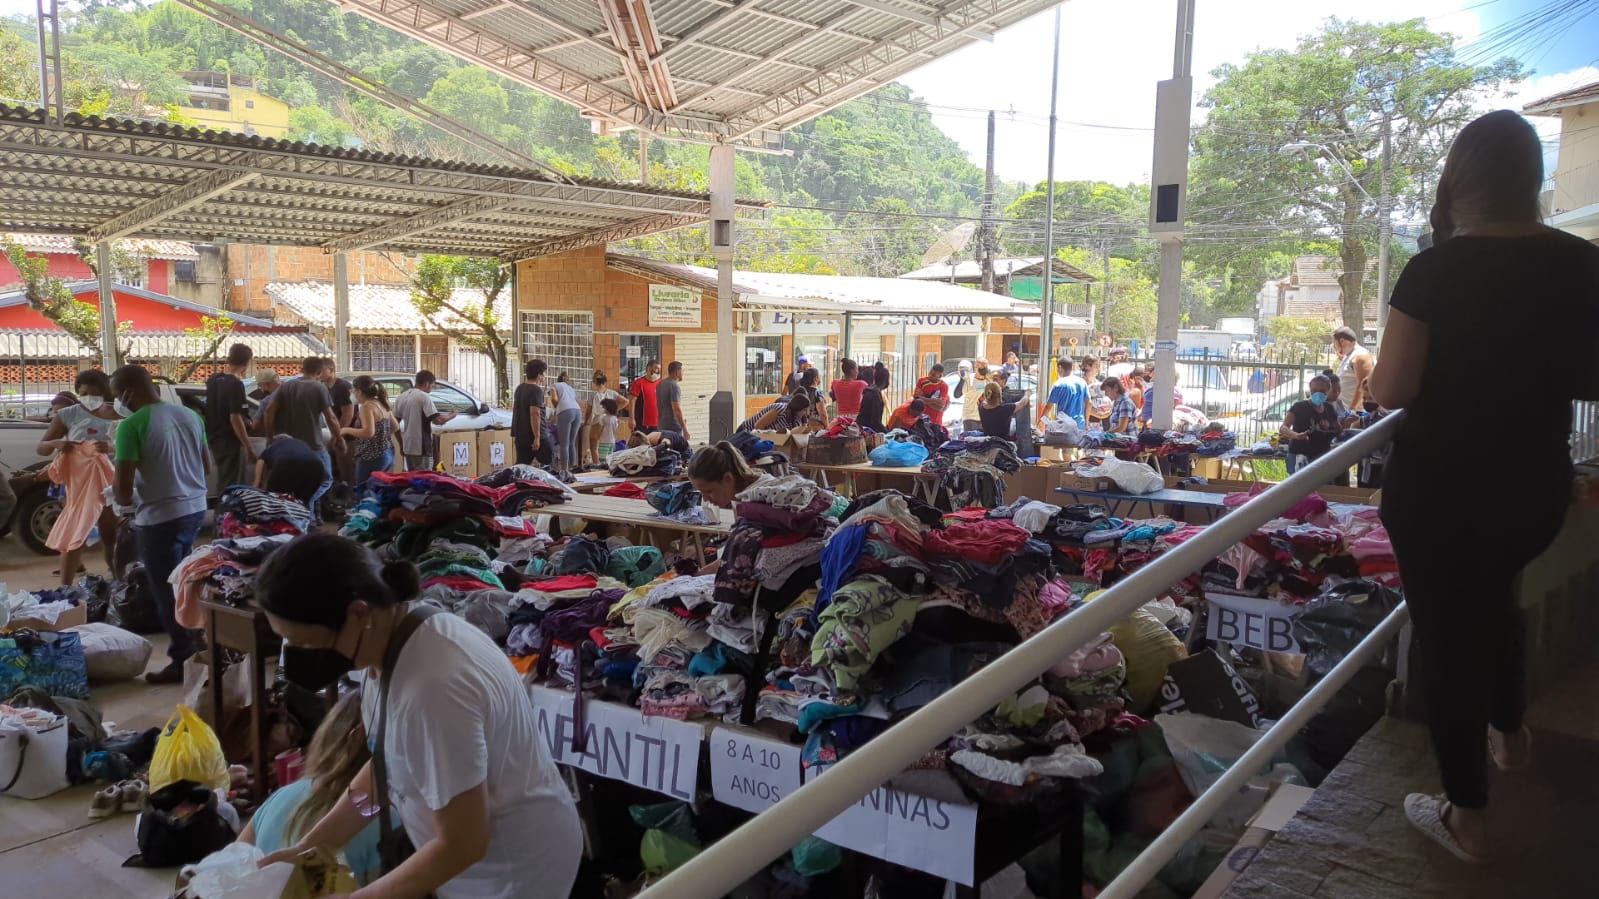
[(451, 725)]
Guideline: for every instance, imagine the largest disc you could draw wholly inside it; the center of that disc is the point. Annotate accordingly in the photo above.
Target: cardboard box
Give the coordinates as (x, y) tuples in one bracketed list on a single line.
[(1281, 808), (78, 614), (1096, 484), (1034, 482), (458, 453), (495, 451)]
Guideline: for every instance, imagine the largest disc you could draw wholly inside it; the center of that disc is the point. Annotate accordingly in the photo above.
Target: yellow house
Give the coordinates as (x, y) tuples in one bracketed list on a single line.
[(1574, 204), (234, 103)]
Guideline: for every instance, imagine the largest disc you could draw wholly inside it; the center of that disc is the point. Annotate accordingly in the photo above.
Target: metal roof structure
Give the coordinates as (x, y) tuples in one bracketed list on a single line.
[(701, 70), (376, 307), (970, 271), (109, 178)]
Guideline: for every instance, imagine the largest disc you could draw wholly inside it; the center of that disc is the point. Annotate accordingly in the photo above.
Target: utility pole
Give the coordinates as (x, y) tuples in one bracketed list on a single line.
[(1046, 305), (1174, 100), (990, 239), (1385, 224)]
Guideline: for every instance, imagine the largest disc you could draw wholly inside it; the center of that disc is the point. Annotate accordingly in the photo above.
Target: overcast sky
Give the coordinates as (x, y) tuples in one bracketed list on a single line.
[(1114, 51)]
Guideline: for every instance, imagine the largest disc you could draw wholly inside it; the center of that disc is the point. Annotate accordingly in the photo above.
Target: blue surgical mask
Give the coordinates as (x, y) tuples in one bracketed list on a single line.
[(1318, 397)]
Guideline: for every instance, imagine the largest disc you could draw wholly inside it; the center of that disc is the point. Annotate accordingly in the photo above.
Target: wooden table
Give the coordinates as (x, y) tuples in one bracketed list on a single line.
[(597, 483), (640, 514), (1117, 500), (228, 627), (922, 483)]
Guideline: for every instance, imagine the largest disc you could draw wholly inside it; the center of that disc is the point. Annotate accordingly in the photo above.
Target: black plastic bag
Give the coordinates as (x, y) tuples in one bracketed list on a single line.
[(133, 604), (98, 600), (1336, 621), (127, 550), (180, 825)]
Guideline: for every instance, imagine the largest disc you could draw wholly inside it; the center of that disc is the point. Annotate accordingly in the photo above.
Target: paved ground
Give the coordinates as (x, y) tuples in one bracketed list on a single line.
[(1351, 840), (49, 847)]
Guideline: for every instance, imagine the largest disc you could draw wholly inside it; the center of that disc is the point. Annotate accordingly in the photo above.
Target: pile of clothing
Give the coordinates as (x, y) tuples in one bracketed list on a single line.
[(397, 507), (250, 512), (220, 571), (1216, 441), (645, 461), (971, 470)]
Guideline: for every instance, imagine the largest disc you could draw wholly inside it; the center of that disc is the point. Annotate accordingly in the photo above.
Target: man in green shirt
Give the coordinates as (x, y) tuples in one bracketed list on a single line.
[(162, 466)]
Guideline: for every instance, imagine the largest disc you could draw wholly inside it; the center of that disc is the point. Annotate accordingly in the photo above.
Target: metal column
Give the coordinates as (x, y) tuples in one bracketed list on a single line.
[(341, 311), (1169, 206), (1046, 303), (108, 308), (725, 401)]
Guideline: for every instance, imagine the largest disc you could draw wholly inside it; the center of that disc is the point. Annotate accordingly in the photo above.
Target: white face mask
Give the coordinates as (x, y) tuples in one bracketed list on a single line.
[(655, 377), (122, 408), (91, 402)]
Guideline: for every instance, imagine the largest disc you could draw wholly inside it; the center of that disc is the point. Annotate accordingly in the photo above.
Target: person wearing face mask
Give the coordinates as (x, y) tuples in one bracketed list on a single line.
[(80, 436), (646, 410), (162, 466), (1310, 426), (456, 750)]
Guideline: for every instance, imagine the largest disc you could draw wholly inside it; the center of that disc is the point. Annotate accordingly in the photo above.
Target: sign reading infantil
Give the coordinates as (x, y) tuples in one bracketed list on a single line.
[(655, 753), (674, 307)]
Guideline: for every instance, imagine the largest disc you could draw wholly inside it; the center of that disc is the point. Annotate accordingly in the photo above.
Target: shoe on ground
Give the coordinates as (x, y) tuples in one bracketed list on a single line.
[(131, 795), (105, 803), (172, 674)]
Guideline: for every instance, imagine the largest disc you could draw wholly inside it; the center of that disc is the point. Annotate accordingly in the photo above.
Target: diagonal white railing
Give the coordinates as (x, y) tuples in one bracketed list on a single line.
[(739, 855)]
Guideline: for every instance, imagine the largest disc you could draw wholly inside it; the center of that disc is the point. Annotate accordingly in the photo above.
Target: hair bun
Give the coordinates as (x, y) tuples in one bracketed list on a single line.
[(401, 577)]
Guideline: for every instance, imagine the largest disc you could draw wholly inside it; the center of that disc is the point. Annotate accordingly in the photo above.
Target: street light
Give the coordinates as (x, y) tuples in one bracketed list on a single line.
[(1384, 216)]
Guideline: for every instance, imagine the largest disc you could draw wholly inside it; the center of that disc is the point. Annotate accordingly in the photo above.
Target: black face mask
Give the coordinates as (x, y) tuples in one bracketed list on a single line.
[(315, 669)]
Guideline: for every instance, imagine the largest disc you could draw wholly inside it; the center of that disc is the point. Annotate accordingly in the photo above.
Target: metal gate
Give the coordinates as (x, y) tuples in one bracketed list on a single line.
[(565, 341)]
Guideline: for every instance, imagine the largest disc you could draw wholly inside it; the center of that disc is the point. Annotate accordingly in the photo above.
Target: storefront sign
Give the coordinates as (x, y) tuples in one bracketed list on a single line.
[(910, 830), (752, 772), (655, 753), (674, 307), (1265, 624), (779, 323)]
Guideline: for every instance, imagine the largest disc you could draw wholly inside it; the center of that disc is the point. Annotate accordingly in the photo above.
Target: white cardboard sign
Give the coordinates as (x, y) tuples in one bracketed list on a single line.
[(496, 454), (674, 307), (655, 753), (461, 454), (1265, 624), (910, 830), (752, 772)]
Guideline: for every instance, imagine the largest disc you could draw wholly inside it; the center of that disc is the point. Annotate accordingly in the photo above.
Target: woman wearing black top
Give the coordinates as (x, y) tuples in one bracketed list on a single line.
[(1494, 272), (996, 416), (1310, 425), (872, 405)]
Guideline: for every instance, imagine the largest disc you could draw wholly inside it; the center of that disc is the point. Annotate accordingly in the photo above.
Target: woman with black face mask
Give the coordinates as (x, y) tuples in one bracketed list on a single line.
[(452, 729)]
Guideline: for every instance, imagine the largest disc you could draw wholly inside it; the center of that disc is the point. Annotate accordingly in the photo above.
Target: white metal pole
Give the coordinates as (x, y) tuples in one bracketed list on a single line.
[(1169, 198), (723, 405), (734, 858), (108, 307), (341, 311), (1046, 305)]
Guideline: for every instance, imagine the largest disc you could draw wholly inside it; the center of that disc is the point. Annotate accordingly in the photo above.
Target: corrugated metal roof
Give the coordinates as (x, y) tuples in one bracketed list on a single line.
[(971, 270), (61, 244), (90, 173), (41, 346), (882, 296), (374, 307), (741, 70)]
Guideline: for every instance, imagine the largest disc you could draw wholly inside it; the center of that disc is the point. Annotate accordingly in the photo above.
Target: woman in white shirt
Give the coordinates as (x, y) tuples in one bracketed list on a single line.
[(80, 437), (568, 419), (592, 421), (467, 769)]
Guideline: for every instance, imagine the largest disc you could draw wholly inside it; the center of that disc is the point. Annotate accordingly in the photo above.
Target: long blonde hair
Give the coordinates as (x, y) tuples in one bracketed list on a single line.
[(992, 394), (337, 752)]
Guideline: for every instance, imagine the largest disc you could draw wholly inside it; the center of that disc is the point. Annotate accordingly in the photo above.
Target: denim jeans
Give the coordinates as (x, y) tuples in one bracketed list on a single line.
[(364, 469), (327, 479), (161, 547)]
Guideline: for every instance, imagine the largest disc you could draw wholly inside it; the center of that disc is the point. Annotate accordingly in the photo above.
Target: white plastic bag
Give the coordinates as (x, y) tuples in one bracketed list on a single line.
[(111, 653), (231, 872), (1204, 748), (33, 753), (1133, 477)]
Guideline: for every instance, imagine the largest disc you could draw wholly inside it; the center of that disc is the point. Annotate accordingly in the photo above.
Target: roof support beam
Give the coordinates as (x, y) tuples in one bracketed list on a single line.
[(823, 30), (603, 235), (207, 186)]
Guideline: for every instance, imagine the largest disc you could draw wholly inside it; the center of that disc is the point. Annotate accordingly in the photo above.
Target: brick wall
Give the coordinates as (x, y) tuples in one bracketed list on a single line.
[(251, 267), (67, 372)]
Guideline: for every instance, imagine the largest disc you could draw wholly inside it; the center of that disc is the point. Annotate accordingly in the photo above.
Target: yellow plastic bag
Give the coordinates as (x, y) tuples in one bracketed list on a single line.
[(188, 750)]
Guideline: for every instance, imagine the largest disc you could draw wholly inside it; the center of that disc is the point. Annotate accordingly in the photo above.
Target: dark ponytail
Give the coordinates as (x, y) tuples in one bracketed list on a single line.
[(313, 580)]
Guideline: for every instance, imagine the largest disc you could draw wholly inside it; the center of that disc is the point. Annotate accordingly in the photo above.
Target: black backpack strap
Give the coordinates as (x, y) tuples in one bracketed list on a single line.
[(391, 656)]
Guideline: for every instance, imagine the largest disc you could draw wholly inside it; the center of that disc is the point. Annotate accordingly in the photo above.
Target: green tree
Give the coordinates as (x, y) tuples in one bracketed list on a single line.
[(476, 326), (316, 125), (19, 74), (52, 298), (1298, 339), (213, 330), (1130, 309), (1337, 88), (1087, 214)]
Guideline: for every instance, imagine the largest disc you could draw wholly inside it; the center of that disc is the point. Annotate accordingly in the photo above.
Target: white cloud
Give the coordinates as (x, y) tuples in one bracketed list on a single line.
[(1112, 54)]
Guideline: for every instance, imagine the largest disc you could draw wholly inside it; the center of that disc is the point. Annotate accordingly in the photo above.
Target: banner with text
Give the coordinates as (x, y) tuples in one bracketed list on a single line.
[(937, 837), (674, 307)]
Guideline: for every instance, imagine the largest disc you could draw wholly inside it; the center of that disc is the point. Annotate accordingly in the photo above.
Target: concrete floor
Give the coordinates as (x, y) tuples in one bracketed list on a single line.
[(49, 847)]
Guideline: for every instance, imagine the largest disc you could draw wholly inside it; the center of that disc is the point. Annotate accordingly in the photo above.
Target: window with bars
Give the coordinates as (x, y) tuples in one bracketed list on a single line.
[(383, 352), (565, 341)]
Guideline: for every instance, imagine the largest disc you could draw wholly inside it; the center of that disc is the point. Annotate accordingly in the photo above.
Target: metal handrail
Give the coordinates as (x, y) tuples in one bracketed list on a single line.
[(737, 856)]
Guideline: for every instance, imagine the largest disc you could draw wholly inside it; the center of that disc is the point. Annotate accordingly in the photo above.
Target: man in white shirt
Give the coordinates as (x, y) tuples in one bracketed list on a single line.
[(417, 416)]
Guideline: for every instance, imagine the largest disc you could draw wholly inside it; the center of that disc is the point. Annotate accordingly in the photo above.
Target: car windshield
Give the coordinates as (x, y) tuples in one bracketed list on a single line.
[(450, 399)]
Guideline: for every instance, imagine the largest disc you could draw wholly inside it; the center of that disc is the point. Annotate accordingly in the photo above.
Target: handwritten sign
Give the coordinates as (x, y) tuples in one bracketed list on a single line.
[(752, 772), (910, 830), (674, 307), (461, 454), (1265, 624), (497, 454), (658, 754)]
